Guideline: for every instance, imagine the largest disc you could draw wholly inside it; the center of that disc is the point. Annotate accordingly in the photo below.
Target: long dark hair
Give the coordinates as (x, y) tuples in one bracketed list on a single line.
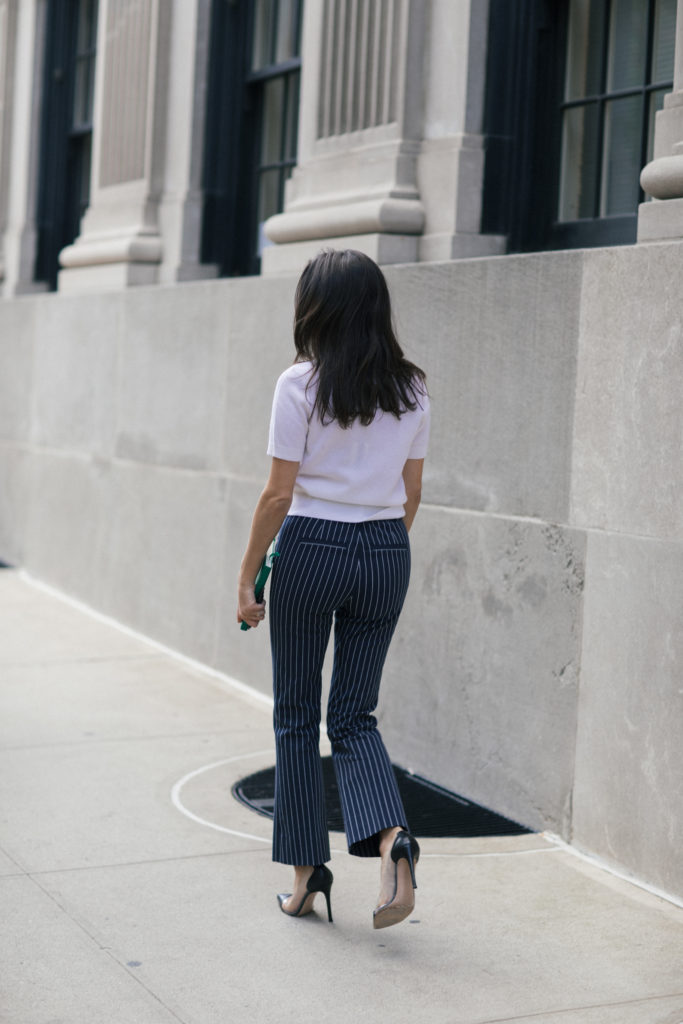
[(342, 324)]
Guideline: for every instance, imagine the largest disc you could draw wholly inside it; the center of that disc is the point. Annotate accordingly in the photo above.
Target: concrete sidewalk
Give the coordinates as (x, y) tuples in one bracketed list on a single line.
[(136, 890)]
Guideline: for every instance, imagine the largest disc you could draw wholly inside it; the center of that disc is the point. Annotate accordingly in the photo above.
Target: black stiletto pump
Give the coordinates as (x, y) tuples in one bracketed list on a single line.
[(402, 903), (320, 881)]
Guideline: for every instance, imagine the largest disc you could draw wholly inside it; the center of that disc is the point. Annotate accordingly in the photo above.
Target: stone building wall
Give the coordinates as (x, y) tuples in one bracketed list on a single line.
[(537, 667)]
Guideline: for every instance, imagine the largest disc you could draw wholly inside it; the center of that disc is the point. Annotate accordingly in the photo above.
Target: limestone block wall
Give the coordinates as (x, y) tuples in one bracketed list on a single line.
[(538, 664)]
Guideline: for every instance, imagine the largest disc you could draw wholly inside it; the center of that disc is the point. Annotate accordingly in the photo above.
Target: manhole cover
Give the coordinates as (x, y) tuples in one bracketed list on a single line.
[(432, 811)]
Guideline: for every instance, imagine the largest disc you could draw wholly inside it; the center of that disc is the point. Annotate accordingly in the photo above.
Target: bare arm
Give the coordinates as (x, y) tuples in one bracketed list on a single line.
[(271, 509), (412, 479)]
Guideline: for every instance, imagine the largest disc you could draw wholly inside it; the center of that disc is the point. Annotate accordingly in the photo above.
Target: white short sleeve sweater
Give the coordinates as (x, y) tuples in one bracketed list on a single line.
[(347, 475)]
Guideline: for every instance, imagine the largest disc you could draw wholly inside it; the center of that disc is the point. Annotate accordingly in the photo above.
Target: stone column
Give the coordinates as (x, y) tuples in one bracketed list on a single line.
[(120, 241), (180, 211), (451, 163), (662, 178), (22, 27), (359, 135), (8, 12)]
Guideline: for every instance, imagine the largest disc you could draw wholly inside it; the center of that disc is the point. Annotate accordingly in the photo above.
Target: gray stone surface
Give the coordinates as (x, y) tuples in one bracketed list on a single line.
[(161, 563), (530, 933), (53, 970), (171, 375), (14, 490), (243, 654), (261, 347), (120, 909), (17, 321), (75, 373), (132, 450), (628, 433), (69, 505), (498, 341), (481, 682), (628, 793)]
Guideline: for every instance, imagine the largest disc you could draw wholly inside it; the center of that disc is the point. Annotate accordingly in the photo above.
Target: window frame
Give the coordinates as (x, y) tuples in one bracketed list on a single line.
[(65, 146), (603, 228), (233, 164), (523, 123)]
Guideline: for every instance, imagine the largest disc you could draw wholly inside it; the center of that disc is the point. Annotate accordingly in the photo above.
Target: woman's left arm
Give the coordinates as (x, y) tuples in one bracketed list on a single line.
[(271, 509)]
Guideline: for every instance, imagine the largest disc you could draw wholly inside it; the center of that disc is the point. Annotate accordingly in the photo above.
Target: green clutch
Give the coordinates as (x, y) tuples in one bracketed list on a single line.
[(263, 574)]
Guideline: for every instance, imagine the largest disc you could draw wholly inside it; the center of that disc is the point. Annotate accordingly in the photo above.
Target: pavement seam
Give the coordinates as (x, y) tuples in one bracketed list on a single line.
[(579, 1009), (132, 863), (107, 951), (105, 659), (89, 742)]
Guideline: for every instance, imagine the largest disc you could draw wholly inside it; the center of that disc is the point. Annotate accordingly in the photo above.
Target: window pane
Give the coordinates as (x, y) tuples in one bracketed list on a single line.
[(83, 92), (623, 129), (287, 45), (627, 44), (292, 117), (579, 162), (585, 48), (264, 28), (85, 64), (84, 183), (87, 25), (273, 108), (664, 39), (268, 203)]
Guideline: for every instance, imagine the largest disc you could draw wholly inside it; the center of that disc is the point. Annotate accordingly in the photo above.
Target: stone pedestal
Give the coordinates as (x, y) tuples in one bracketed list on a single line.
[(359, 129), (146, 171), (120, 242), (662, 178), (391, 154)]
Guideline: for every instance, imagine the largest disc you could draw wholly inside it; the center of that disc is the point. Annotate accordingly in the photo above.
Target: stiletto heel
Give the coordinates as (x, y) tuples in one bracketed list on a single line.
[(320, 880), (402, 903)]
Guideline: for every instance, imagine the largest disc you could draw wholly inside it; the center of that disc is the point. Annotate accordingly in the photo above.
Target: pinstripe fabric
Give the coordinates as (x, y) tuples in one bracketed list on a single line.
[(355, 575)]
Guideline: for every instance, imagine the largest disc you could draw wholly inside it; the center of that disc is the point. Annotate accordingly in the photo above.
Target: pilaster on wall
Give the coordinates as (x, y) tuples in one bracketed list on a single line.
[(144, 218), (451, 162), (180, 211), (359, 135), (120, 242), (8, 12), (662, 178), (21, 54)]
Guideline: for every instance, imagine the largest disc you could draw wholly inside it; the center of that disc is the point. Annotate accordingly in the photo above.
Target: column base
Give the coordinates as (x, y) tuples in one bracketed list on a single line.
[(438, 248), (660, 220), (106, 277), (110, 261), (291, 257)]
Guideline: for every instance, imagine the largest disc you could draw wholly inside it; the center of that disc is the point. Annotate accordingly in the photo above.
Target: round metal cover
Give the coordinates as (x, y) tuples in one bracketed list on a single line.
[(432, 811)]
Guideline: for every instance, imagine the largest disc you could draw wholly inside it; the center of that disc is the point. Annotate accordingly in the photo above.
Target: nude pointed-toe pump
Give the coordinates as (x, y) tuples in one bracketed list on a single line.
[(405, 854), (320, 881)]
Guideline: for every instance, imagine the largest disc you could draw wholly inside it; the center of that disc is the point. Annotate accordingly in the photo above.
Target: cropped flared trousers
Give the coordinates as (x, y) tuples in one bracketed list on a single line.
[(355, 574)]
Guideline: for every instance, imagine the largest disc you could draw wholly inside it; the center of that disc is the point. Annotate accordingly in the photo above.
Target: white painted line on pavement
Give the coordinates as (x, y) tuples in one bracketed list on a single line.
[(179, 805)]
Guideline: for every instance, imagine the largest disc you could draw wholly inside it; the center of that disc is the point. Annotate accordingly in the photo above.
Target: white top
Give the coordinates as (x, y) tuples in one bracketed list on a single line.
[(347, 475)]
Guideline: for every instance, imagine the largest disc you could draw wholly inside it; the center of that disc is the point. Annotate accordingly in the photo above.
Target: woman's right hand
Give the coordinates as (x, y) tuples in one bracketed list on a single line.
[(249, 610)]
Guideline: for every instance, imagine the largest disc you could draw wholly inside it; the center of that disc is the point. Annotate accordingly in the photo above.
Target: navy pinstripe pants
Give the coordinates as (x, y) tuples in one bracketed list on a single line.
[(356, 574)]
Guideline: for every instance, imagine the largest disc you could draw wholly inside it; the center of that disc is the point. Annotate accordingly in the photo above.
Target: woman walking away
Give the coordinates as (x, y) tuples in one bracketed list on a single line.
[(348, 436)]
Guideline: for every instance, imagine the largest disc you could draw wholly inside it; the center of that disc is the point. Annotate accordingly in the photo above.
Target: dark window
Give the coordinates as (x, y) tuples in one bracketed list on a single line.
[(251, 130), (66, 129), (584, 84)]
